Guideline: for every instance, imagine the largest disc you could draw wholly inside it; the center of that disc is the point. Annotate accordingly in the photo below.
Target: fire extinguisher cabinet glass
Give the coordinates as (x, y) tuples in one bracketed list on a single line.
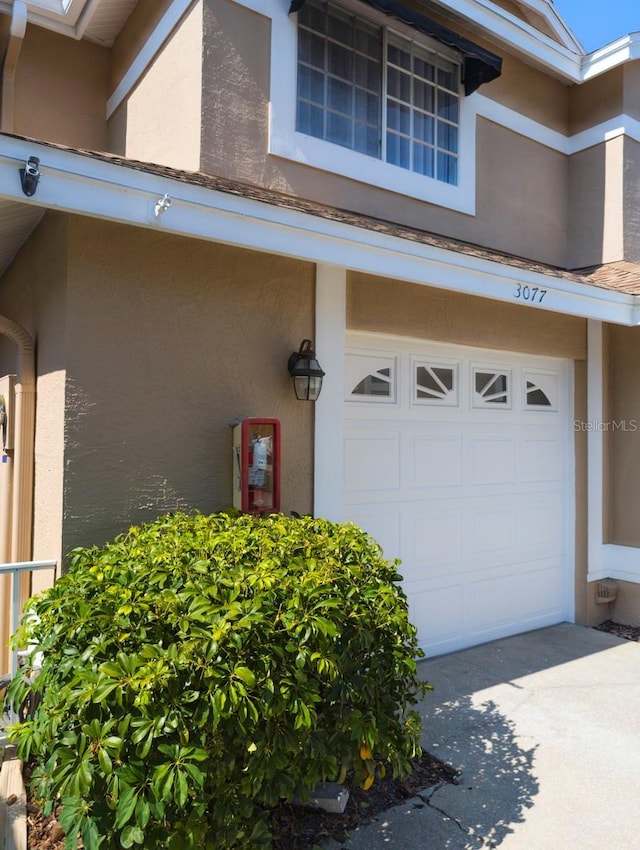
[(256, 466)]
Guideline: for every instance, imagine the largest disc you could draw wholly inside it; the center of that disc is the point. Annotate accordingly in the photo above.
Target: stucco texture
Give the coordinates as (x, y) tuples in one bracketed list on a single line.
[(406, 309), (631, 200), (160, 120), (522, 186), (169, 342), (623, 440), (61, 90)]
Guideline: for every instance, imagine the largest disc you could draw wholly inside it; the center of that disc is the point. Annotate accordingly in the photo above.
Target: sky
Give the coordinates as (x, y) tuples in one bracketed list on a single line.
[(599, 22)]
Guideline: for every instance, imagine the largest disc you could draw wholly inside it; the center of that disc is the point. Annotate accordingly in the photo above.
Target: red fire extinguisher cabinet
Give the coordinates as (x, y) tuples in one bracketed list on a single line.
[(256, 458)]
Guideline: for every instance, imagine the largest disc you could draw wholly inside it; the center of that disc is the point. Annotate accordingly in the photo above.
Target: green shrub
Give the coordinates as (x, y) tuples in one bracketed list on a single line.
[(200, 668)]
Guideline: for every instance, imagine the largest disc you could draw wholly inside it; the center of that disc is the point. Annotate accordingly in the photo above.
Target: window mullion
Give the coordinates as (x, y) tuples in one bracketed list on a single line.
[(412, 100), (383, 94)]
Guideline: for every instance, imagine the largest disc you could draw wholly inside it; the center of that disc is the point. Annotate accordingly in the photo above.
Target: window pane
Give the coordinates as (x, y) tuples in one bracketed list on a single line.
[(313, 16), (447, 137), (423, 68), (310, 84), (368, 74), (367, 107), (341, 28), (447, 168), (423, 127), (310, 120), (340, 61), (423, 159), (339, 96), (448, 106), (367, 140), (399, 84), (339, 130), (311, 49), (423, 96), (399, 56), (398, 150), (368, 42), (448, 77), (398, 117)]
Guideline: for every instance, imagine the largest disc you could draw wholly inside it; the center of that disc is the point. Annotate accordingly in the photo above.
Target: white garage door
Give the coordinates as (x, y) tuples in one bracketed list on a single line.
[(459, 462)]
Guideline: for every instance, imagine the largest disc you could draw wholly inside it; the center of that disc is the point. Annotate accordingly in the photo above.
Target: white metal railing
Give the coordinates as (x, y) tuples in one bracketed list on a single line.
[(15, 570)]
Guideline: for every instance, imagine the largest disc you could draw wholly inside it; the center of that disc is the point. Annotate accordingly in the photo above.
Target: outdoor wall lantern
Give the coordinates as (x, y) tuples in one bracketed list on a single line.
[(306, 372)]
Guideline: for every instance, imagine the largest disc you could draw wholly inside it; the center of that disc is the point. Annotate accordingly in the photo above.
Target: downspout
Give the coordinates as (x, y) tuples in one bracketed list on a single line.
[(9, 64), (25, 418)]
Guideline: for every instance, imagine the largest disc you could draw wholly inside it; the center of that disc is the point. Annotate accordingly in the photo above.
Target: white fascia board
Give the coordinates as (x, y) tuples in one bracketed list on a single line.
[(78, 184), (626, 49), (548, 11), (517, 34), (567, 60)]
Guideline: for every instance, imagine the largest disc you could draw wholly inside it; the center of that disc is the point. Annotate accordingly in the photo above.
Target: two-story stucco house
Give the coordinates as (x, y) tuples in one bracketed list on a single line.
[(441, 194)]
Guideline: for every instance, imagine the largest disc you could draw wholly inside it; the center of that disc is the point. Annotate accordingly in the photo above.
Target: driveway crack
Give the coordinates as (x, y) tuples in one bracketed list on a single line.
[(427, 799)]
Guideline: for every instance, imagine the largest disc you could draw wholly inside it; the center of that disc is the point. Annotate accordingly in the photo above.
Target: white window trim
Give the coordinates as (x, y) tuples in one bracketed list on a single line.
[(286, 142)]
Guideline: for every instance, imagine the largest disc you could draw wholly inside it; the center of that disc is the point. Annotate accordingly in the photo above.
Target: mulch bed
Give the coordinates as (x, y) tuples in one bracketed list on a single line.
[(294, 827), (298, 827), (627, 632)]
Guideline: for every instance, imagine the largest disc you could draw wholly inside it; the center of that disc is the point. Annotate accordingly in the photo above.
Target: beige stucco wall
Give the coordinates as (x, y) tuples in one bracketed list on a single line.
[(631, 200), (631, 101), (520, 210), (623, 391), (531, 93), (169, 342), (596, 101), (599, 196), (406, 309), (132, 37), (626, 608), (160, 120), (61, 90), (395, 307)]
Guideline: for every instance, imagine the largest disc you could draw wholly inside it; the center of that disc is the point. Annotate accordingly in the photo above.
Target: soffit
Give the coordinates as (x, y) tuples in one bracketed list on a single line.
[(17, 221), (108, 19), (96, 20)]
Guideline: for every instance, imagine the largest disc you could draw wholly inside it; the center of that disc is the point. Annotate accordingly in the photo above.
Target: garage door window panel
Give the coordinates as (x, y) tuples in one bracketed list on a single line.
[(435, 383), (371, 379), (491, 388), (541, 391)]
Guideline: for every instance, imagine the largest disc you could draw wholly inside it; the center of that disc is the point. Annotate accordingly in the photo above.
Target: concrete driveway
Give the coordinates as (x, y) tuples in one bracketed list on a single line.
[(545, 728)]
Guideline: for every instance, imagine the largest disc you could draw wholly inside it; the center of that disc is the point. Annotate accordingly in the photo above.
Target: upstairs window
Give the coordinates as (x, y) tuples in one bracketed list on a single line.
[(367, 88)]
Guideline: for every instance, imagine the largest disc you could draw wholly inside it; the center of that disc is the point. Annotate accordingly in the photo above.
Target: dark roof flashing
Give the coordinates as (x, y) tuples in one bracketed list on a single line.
[(479, 65)]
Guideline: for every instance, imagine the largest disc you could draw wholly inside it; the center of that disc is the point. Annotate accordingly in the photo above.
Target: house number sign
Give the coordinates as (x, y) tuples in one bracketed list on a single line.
[(533, 294)]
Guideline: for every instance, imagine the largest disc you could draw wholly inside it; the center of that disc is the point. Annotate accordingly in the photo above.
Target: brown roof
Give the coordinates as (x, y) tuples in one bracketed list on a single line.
[(621, 276)]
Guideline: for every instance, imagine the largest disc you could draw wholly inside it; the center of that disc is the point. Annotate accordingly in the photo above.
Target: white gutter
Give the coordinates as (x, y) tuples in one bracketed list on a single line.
[(17, 30), (81, 184)]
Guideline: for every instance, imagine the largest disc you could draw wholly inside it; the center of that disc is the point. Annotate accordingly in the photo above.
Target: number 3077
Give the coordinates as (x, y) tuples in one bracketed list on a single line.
[(529, 293)]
